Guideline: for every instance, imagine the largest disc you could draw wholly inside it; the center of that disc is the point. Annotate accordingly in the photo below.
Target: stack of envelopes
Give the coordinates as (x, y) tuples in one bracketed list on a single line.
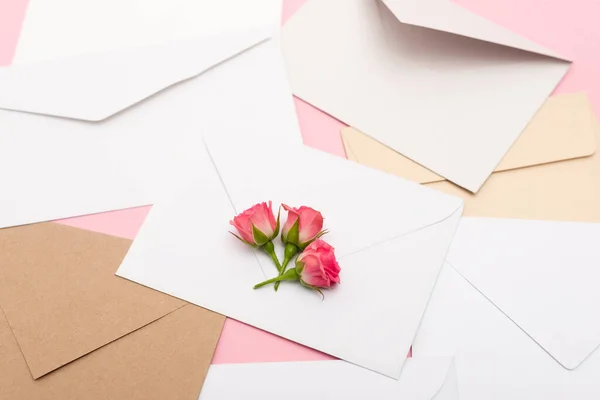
[(466, 218)]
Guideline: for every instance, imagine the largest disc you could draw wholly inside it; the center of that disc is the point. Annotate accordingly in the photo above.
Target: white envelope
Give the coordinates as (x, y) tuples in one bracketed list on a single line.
[(517, 305), (429, 79), (391, 237), (106, 131), (61, 28), (423, 378)]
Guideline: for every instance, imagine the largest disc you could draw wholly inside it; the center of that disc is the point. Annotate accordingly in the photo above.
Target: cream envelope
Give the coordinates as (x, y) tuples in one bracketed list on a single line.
[(60, 28), (494, 358), (423, 378), (564, 191), (388, 269), (70, 329), (444, 87), (561, 130), (115, 130)]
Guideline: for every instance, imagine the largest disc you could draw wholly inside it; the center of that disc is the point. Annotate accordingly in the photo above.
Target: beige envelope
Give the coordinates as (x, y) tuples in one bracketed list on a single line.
[(566, 190), (559, 131), (103, 337)]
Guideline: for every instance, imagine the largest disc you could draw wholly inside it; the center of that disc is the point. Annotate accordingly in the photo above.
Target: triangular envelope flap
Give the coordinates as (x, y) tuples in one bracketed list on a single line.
[(93, 87), (542, 274), (443, 15), (362, 207)]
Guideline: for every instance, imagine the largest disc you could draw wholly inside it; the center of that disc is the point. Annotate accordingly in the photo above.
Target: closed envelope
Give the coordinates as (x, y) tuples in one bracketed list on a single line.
[(62, 28), (390, 235), (70, 329), (561, 130), (494, 357), (105, 131), (564, 191), (444, 87), (423, 378)]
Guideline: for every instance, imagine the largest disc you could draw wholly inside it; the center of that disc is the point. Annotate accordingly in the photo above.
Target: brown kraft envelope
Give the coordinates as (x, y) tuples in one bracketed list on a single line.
[(564, 191), (71, 329), (559, 131)]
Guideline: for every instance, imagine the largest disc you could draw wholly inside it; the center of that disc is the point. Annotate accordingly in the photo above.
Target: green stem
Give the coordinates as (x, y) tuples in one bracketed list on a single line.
[(269, 248), (289, 253), (290, 275)]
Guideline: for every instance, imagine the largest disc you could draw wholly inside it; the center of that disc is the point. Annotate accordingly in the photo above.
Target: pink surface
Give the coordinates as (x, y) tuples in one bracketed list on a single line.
[(12, 13), (566, 26)]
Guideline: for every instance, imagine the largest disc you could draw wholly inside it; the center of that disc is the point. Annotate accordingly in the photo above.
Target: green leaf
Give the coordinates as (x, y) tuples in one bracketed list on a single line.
[(316, 289), (243, 241), (317, 236), (293, 235), (259, 237), (277, 225)]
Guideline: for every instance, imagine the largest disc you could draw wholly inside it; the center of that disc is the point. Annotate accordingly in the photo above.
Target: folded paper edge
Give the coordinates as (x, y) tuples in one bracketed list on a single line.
[(563, 364), (404, 16), (253, 37)]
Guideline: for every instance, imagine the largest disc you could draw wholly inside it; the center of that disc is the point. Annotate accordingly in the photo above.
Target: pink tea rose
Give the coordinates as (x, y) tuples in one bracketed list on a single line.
[(317, 265), (257, 225), (316, 268), (303, 225)]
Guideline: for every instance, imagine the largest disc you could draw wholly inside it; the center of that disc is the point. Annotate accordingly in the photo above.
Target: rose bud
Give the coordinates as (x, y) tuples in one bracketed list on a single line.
[(302, 227), (317, 265), (257, 227), (316, 268)]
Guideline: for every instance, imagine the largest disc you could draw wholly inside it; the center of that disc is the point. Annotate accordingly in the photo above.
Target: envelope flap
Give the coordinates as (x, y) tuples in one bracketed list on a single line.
[(443, 15), (360, 204), (61, 301), (93, 87), (543, 275)]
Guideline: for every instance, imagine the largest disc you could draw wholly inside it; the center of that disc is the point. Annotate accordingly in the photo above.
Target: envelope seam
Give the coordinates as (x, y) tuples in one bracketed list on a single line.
[(517, 324), (405, 233), (214, 164)]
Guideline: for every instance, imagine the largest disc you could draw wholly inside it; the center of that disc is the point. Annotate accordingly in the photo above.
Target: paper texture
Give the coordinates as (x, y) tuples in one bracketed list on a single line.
[(64, 28), (60, 295), (166, 360), (62, 309), (183, 249), (563, 191), (447, 101), (542, 274), (494, 358), (114, 164), (422, 378), (561, 130)]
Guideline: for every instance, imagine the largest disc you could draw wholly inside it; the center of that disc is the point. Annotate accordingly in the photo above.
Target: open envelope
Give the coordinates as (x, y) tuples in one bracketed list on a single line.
[(561, 130), (423, 378), (530, 334), (440, 85), (565, 191), (106, 131), (70, 329), (390, 235)]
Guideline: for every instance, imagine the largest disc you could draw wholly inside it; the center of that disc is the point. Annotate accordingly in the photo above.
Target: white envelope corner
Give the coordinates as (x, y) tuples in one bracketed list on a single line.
[(516, 305)]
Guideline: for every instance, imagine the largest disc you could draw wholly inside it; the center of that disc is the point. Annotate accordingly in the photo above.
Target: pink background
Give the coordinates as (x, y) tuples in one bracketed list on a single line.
[(567, 26)]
